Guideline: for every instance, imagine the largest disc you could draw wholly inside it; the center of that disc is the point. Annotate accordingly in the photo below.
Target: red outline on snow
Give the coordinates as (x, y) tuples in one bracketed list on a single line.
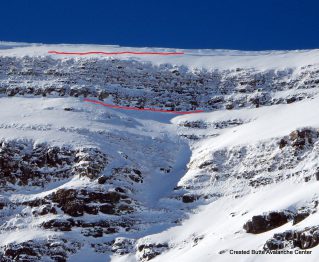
[(141, 109), (115, 53)]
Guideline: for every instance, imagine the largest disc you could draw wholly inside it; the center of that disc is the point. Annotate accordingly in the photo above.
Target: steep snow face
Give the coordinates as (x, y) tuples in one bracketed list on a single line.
[(80, 182), (255, 165)]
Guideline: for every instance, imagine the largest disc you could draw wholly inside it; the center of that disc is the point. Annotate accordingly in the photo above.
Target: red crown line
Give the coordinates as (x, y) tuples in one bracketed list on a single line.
[(141, 109), (114, 53)]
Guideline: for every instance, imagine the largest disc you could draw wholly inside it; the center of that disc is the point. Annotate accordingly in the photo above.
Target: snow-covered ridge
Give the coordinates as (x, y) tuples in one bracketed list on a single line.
[(193, 58)]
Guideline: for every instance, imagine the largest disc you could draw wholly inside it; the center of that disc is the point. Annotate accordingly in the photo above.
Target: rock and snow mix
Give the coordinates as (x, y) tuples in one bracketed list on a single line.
[(82, 182)]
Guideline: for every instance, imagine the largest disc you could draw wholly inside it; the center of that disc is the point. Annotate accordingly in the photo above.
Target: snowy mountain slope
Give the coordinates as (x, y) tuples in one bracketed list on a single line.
[(82, 182), (139, 153), (161, 81), (220, 224)]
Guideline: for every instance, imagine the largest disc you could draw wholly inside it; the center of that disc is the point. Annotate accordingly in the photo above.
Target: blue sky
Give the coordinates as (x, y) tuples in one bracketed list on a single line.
[(226, 24)]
